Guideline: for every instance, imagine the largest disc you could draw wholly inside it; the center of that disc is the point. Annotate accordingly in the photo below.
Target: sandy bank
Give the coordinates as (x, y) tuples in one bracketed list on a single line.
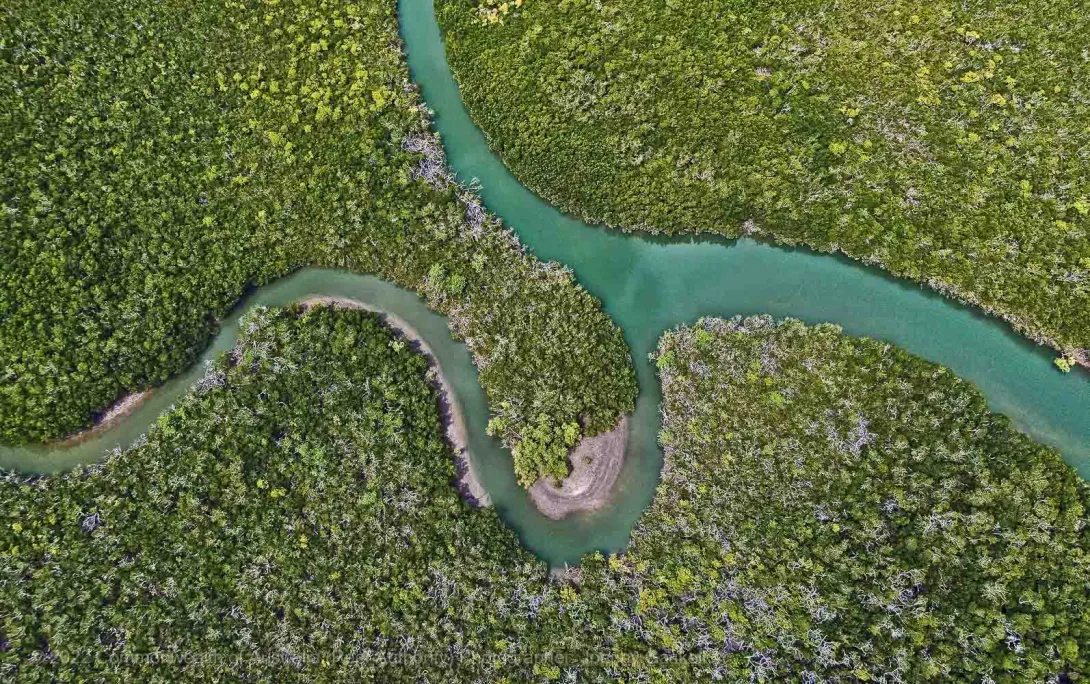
[(469, 485), (106, 420), (596, 462)]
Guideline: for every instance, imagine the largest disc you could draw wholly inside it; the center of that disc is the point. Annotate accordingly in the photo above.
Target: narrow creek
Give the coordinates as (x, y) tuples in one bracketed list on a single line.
[(647, 286)]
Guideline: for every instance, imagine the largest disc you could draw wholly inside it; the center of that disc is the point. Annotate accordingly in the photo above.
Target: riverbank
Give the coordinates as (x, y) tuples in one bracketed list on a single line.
[(467, 482), (112, 416), (596, 462)]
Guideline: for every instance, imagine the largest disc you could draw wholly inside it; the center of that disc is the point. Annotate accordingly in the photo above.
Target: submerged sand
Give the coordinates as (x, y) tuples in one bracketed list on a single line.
[(595, 464), (468, 482)]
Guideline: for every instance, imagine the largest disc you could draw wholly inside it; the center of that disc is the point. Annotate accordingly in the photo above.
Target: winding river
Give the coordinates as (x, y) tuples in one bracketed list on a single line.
[(646, 285)]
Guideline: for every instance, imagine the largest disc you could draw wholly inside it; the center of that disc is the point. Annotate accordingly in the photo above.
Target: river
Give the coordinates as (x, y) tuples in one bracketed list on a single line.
[(647, 285)]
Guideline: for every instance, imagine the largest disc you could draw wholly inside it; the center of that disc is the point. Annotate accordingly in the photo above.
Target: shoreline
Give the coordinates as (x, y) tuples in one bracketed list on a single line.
[(596, 464), (106, 420), (467, 481)]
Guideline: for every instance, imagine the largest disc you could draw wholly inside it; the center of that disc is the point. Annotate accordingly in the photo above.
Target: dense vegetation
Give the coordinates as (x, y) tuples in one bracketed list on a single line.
[(943, 141), (833, 507), (831, 510), (293, 515), (161, 157)]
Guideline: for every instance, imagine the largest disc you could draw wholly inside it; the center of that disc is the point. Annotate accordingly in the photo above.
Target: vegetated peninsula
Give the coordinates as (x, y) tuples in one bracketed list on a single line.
[(469, 483), (944, 142), (831, 509), (162, 157)]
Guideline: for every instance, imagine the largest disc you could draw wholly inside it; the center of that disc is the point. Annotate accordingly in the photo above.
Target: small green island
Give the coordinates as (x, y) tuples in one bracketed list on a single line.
[(300, 383)]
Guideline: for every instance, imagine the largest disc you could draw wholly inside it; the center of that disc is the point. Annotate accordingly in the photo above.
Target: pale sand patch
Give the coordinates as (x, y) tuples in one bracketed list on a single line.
[(468, 483), (596, 462), (122, 408), (571, 575)]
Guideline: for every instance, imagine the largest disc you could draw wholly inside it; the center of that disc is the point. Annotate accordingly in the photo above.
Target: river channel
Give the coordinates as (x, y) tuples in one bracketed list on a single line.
[(647, 286)]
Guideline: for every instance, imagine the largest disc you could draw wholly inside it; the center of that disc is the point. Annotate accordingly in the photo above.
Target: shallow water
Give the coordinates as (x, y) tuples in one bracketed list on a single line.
[(647, 286)]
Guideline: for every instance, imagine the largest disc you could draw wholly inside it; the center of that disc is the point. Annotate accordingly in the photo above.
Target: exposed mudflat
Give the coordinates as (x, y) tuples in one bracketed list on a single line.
[(596, 462)]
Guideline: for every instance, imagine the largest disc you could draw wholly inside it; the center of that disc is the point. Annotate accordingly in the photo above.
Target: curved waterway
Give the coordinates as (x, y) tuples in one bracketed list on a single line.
[(647, 286)]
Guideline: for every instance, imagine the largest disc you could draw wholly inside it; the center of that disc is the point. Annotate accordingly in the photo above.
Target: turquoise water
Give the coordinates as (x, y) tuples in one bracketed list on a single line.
[(647, 286)]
